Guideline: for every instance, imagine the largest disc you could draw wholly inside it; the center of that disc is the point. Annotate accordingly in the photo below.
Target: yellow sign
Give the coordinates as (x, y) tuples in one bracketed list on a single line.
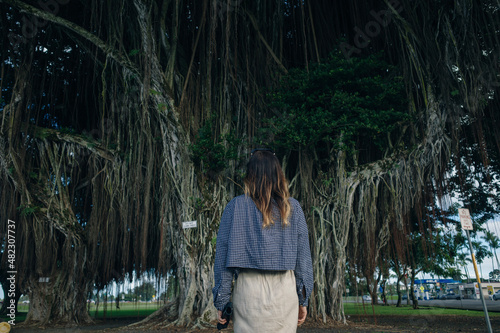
[(422, 288), (4, 327), (490, 290)]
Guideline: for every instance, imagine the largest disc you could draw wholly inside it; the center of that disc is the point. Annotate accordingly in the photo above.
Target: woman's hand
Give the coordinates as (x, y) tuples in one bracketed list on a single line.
[(302, 314), (219, 317)]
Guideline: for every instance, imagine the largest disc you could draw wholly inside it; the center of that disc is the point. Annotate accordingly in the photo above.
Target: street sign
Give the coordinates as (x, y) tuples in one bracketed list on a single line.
[(467, 225), (422, 288), (465, 219), (461, 287)]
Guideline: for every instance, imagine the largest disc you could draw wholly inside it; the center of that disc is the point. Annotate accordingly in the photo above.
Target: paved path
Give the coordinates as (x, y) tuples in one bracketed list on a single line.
[(468, 304)]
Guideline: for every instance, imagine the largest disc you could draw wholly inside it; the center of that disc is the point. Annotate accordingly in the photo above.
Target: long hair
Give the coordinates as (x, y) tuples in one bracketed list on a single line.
[(266, 184)]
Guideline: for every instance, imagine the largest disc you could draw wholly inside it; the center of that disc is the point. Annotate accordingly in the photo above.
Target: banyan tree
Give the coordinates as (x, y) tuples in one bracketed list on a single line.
[(120, 120)]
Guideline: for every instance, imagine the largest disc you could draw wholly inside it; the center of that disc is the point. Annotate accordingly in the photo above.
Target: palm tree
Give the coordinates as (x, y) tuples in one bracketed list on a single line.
[(463, 260), (493, 242)]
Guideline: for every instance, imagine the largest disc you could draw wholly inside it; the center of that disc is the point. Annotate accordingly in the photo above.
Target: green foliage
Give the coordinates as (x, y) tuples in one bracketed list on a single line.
[(133, 52), (495, 274), (162, 106), (67, 130), (212, 154), (145, 291), (42, 133), (344, 105), (28, 210), (198, 203)]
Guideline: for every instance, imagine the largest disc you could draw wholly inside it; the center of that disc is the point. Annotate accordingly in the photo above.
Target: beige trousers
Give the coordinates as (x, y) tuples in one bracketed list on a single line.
[(265, 302)]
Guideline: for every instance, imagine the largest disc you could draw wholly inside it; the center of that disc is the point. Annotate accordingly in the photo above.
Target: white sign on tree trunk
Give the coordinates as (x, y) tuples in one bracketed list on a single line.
[(189, 224), (465, 219)]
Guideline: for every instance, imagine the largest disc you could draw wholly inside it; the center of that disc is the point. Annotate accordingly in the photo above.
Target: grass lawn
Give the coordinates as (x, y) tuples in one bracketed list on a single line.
[(138, 310), (130, 310), (407, 310), (20, 316), (141, 310)]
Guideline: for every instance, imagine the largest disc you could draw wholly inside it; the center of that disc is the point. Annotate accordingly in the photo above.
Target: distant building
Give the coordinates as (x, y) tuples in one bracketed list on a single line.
[(471, 290)]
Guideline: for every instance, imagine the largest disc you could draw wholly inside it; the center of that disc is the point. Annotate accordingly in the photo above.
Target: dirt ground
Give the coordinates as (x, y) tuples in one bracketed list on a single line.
[(360, 323)]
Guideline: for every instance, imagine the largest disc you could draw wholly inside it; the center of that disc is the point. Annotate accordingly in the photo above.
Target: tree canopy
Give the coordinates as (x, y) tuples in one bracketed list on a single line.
[(120, 120)]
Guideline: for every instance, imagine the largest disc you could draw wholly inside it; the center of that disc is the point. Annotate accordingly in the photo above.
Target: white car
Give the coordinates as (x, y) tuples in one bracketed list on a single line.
[(367, 298), (496, 295)]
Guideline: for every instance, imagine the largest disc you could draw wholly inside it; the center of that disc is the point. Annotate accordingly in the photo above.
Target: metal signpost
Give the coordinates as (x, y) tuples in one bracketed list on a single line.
[(461, 288), (466, 222)]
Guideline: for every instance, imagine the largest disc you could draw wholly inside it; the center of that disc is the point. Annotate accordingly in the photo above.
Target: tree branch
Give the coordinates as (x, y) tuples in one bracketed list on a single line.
[(57, 136), (108, 50), (256, 26)]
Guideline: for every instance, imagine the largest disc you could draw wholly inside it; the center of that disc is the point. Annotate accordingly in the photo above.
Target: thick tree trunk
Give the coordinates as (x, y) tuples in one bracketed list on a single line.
[(58, 302), (330, 231), (193, 306), (196, 298), (398, 290), (384, 294), (412, 291)]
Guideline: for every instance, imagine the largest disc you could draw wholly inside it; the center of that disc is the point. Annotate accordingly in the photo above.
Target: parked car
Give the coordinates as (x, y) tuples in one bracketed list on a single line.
[(496, 295), (367, 298), (451, 296), (405, 297)]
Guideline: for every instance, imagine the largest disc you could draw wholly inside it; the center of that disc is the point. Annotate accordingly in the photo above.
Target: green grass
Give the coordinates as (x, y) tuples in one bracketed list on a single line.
[(141, 310), (137, 310), (407, 310), (127, 310), (20, 316)]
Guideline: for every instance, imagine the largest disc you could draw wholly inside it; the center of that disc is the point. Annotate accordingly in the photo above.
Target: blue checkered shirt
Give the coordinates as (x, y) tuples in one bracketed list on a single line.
[(242, 242)]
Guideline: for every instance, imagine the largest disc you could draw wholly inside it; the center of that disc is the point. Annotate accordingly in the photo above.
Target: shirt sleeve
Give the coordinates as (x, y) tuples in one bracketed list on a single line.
[(303, 269), (223, 277)]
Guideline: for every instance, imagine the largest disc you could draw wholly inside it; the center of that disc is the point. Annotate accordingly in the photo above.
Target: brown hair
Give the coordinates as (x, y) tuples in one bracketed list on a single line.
[(266, 184)]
